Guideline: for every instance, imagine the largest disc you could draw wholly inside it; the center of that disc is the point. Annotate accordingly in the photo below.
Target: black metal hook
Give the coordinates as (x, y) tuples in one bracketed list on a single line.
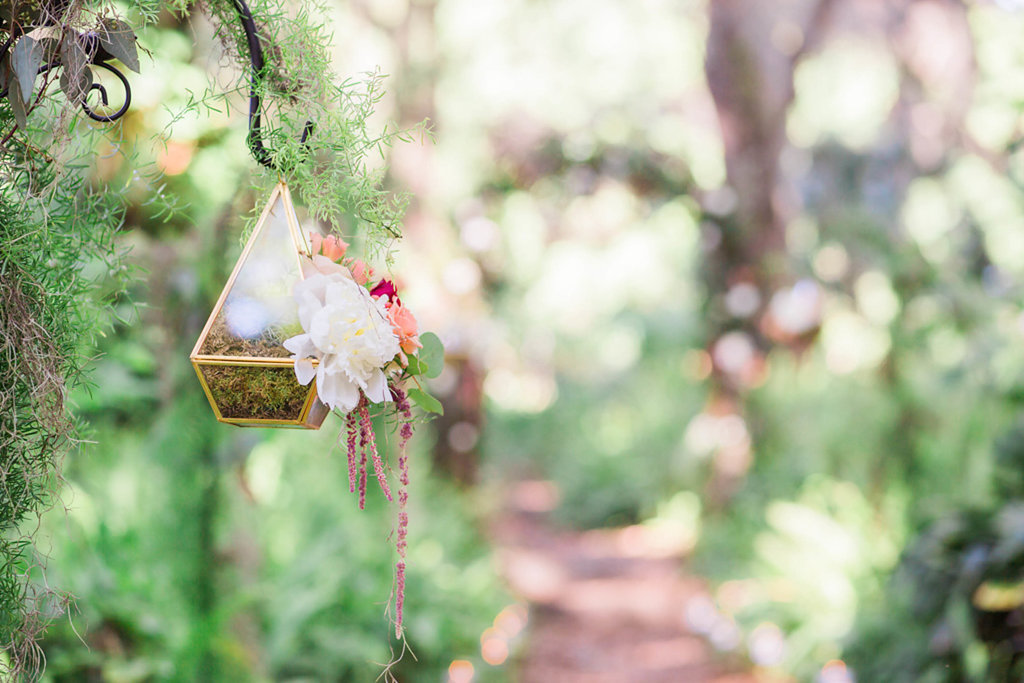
[(107, 118), (100, 62), (100, 57), (255, 137)]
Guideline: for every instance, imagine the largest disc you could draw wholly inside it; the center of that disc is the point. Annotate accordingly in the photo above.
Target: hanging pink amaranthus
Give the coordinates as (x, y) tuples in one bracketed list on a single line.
[(361, 344), (405, 433)]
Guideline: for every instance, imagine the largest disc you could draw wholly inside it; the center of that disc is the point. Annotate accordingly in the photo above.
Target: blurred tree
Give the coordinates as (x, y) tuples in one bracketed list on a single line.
[(753, 50)]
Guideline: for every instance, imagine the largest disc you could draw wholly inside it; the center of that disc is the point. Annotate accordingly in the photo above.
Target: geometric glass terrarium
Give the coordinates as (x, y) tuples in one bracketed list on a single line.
[(247, 374)]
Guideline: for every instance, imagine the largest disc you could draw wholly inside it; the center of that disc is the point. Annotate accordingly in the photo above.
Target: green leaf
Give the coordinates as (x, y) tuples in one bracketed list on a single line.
[(118, 39), (426, 401), (416, 366), (432, 354), (26, 58), (17, 104)]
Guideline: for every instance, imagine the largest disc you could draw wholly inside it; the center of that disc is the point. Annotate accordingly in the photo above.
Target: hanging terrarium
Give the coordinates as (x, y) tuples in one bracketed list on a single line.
[(247, 373), (303, 329)]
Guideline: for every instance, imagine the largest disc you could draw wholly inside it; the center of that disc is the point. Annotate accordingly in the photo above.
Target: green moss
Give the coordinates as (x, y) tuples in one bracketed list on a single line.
[(256, 392)]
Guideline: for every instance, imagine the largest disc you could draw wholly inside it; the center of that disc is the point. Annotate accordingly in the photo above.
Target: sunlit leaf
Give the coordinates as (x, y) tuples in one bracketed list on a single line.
[(426, 401), (432, 354)]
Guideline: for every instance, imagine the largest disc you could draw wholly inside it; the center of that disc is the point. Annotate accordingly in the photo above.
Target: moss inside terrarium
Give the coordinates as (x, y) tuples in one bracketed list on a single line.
[(222, 342), (256, 392)]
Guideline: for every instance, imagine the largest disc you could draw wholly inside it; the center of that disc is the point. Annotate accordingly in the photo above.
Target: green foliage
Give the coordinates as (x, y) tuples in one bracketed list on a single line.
[(431, 355), (425, 401), (959, 588), (855, 438), (54, 247), (338, 173), (309, 573)]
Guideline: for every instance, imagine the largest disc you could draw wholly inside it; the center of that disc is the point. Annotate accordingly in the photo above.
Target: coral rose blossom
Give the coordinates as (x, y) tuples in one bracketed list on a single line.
[(404, 324), (330, 246), (347, 330)]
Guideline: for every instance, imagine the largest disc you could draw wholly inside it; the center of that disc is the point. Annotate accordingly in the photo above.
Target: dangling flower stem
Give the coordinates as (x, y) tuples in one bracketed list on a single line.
[(370, 441), (403, 408), (353, 434), (362, 476)]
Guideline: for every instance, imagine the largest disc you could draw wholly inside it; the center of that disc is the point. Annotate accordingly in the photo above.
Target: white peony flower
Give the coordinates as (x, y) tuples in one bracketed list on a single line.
[(347, 330)]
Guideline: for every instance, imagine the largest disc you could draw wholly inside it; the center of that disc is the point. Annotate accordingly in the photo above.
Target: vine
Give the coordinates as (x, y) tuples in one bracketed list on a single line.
[(338, 172)]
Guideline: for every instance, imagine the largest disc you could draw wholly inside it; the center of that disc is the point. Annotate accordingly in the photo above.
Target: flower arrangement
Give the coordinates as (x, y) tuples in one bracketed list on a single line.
[(362, 345)]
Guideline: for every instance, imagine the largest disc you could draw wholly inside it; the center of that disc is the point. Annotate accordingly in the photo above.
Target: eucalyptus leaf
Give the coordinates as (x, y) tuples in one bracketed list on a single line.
[(76, 87), (118, 39), (26, 57), (416, 366), (426, 401), (17, 104), (432, 354), (76, 77)]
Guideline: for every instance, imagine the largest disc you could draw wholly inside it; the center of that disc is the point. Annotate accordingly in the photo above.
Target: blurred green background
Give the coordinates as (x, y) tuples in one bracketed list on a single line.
[(755, 265)]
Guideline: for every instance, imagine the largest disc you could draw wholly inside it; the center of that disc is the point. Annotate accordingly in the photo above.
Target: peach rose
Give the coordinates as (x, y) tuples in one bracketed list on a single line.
[(405, 326), (331, 246)]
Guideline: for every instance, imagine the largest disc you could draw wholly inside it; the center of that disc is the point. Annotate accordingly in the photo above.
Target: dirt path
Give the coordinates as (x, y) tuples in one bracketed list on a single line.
[(606, 606)]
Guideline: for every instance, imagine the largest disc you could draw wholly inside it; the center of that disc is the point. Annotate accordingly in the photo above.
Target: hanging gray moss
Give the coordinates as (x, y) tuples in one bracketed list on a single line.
[(48, 318)]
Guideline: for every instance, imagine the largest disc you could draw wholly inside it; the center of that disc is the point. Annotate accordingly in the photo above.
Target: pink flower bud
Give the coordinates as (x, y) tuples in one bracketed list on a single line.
[(361, 272), (335, 248)]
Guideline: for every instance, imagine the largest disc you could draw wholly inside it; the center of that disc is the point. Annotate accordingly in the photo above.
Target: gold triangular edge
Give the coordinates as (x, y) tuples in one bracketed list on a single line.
[(206, 390), (278, 361), (243, 422), (302, 247), (300, 422), (269, 423), (307, 410), (238, 266)]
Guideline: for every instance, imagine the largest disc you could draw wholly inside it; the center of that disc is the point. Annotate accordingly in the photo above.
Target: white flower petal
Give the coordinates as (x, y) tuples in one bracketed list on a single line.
[(312, 288), (319, 330), (304, 371), (376, 388), (337, 391), (347, 330), (300, 345)]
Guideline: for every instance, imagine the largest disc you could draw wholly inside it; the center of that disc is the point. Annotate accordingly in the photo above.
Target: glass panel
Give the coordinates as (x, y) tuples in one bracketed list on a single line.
[(259, 312), (256, 393)]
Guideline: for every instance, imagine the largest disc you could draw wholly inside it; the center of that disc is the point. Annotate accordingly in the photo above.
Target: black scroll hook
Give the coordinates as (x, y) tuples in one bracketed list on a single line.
[(255, 136)]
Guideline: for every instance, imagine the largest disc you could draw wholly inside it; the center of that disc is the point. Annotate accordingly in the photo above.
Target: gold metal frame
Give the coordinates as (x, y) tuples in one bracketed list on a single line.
[(313, 410)]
